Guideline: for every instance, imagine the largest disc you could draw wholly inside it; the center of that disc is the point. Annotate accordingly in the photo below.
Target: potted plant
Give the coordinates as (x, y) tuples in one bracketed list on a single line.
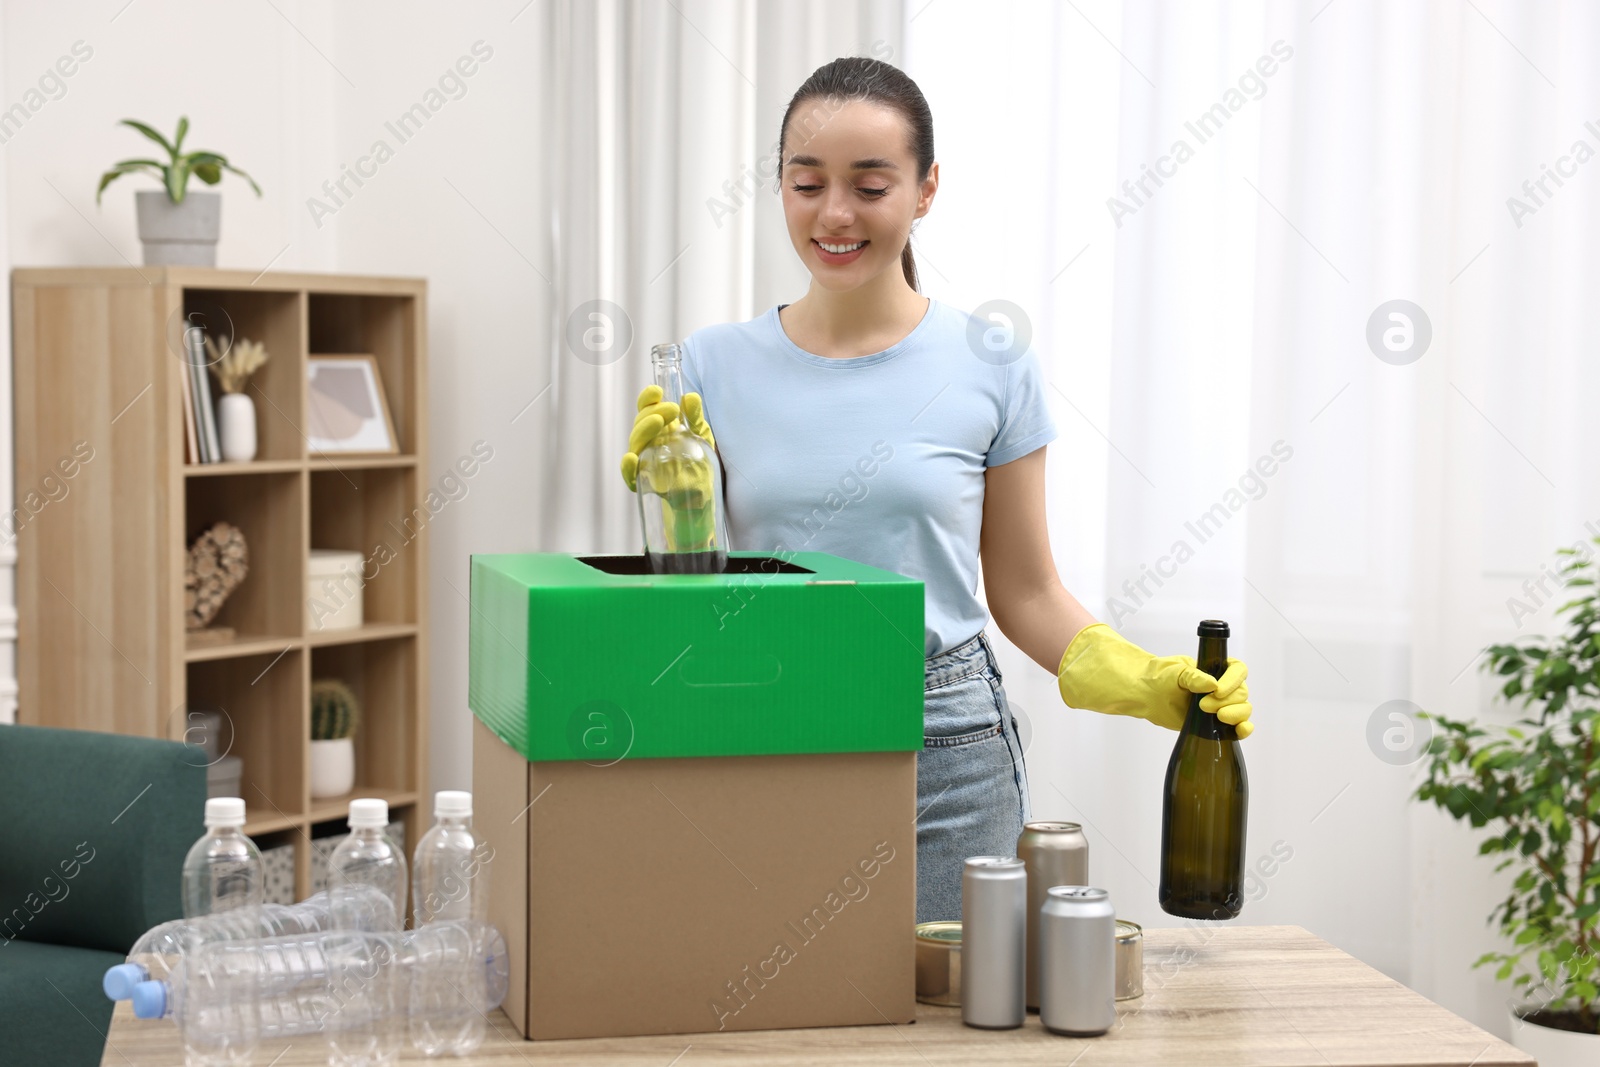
[(335, 713), (1536, 786), (236, 412), (177, 227)]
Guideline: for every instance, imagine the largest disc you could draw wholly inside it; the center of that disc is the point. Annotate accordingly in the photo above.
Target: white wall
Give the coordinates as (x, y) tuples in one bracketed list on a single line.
[(291, 98)]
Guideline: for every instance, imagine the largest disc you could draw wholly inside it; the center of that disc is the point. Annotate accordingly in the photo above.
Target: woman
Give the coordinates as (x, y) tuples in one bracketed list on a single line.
[(863, 373)]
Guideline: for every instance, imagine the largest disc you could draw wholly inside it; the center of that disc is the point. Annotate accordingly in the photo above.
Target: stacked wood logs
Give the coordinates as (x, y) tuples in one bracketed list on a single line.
[(218, 562)]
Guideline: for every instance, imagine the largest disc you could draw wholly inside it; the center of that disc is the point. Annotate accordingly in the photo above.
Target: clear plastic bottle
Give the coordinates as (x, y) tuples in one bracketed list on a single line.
[(297, 989), (447, 879), (459, 972), (223, 869), (366, 1028), (161, 948), (448, 884), (368, 856)]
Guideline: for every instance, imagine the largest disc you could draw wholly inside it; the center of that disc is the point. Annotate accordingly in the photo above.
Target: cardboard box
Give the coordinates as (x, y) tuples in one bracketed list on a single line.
[(727, 839)]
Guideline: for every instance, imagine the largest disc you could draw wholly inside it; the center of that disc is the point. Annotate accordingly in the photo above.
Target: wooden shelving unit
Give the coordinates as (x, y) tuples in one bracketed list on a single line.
[(101, 641)]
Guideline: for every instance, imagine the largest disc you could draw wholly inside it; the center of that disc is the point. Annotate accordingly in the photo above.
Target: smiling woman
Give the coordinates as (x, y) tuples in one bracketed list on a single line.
[(862, 362)]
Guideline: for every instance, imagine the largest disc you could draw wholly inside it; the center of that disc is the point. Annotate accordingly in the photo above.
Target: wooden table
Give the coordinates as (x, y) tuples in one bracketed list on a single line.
[(1224, 995)]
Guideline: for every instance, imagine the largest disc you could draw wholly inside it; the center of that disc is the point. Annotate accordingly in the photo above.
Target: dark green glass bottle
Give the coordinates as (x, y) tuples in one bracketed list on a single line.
[(1203, 810)]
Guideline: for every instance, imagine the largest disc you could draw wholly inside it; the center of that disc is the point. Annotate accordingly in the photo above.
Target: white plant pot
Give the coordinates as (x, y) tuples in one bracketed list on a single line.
[(236, 427), (1553, 1048), (333, 768)]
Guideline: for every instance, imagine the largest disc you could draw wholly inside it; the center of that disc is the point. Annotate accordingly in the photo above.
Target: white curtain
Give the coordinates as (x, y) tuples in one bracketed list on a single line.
[(1339, 156), (1231, 443), (662, 155)]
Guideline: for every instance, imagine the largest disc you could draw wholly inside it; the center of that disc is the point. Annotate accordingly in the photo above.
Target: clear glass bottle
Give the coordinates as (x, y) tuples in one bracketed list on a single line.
[(680, 488)]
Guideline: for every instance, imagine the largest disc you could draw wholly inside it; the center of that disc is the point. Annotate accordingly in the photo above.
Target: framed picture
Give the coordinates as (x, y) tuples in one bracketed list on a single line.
[(346, 410)]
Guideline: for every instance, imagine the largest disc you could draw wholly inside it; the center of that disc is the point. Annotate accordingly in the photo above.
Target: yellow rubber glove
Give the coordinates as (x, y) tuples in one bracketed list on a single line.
[(655, 415), (682, 486), (1103, 671)]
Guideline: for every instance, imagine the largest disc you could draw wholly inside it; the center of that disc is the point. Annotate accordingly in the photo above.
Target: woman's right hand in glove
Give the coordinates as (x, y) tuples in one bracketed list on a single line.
[(655, 415)]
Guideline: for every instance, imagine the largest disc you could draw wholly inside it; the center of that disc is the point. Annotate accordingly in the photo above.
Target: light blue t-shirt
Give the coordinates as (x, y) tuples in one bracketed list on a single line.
[(879, 459)]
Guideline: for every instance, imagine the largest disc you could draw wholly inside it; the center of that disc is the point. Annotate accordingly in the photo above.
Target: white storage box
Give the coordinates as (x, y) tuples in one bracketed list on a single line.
[(333, 590), (223, 777)]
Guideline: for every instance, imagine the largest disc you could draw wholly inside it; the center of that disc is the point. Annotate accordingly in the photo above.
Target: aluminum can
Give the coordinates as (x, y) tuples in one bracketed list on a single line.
[(939, 963), (994, 929), (1077, 965), (1130, 960), (1055, 853)]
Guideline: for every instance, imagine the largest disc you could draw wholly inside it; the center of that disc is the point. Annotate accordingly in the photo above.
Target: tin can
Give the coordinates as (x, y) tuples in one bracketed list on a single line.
[(1130, 960), (1055, 853), (994, 928), (1077, 966), (939, 963)]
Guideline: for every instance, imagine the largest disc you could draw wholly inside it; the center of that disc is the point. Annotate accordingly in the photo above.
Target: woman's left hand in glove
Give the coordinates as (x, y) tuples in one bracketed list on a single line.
[(1103, 671)]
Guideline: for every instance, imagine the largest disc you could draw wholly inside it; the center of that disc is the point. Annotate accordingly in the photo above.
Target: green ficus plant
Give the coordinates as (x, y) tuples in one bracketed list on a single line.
[(179, 165), (1536, 786)]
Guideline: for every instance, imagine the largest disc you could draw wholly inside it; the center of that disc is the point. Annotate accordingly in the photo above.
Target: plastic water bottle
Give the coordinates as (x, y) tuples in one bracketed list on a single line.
[(447, 881), (286, 979), (368, 1029), (447, 884), (452, 972), (330, 982), (223, 869), (162, 947), (365, 993), (367, 857)]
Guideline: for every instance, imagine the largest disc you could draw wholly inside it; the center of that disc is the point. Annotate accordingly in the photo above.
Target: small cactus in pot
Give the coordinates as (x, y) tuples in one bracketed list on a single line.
[(335, 715)]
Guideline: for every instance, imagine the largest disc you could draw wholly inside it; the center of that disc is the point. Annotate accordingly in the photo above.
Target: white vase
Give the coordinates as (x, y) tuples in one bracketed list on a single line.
[(333, 768), (1553, 1048), (236, 427)]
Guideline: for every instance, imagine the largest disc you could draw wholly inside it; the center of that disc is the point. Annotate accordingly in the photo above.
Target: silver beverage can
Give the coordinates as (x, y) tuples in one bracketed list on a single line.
[(1077, 964), (1130, 960), (994, 928), (1055, 853)]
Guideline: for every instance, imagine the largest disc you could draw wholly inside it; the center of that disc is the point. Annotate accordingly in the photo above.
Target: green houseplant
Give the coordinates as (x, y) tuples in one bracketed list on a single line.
[(335, 714), (1536, 787), (174, 225)]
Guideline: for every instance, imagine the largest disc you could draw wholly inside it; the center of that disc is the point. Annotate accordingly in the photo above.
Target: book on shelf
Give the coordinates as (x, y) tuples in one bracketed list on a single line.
[(204, 413), (191, 453)]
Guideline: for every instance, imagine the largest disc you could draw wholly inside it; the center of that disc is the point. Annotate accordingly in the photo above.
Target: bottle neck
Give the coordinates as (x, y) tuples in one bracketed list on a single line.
[(669, 372), (1212, 658)]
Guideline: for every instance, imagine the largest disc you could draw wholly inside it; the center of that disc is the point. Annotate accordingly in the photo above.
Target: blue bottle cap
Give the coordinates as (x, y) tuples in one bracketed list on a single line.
[(120, 980), (150, 1000)]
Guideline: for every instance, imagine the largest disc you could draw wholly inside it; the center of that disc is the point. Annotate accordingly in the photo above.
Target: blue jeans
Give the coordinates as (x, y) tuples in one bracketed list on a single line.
[(972, 787)]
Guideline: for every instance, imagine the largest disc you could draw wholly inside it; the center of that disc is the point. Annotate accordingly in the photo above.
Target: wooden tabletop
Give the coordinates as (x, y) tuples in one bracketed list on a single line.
[(1219, 995)]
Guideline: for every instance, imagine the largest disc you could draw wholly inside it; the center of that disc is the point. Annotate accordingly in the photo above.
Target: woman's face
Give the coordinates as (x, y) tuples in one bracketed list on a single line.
[(850, 182)]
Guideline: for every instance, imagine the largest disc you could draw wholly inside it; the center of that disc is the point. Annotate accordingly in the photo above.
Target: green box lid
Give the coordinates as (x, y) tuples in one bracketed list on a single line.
[(595, 658)]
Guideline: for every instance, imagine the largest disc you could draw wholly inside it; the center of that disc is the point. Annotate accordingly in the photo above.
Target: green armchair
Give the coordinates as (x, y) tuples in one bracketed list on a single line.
[(93, 831)]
